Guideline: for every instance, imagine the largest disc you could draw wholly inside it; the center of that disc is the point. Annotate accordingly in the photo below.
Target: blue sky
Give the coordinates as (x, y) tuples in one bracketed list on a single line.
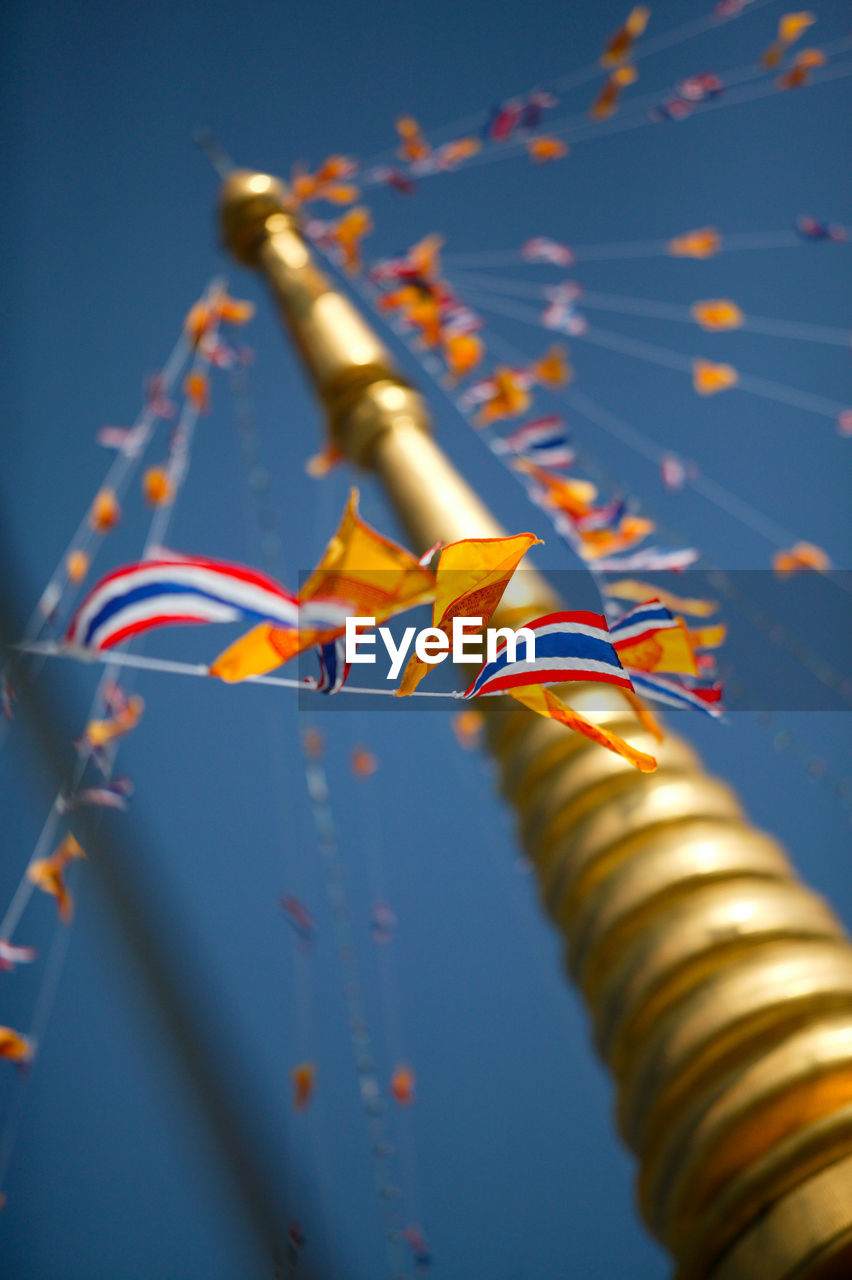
[(508, 1157)]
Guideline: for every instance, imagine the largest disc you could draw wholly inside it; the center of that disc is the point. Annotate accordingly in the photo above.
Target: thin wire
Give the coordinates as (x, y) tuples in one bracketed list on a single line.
[(262, 516), (658, 310), (54, 649), (667, 358), (52, 972), (118, 476), (583, 75), (626, 249), (328, 840), (576, 129), (213, 152), (777, 634)]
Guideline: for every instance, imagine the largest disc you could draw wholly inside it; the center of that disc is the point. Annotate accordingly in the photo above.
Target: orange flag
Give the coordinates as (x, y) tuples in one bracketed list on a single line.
[(703, 243), (573, 496), (670, 650), (543, 149), (49, 874), (708, 378), (597, 543), (157, 487), (545, 703), (363, 763), (77, 566), (413, 145), (620, 45), (377, 577), (105, 513), (469, 583), (348, 232), (14, 1047), (553, 369), (303, 1078), (606, 103), (804, 555), (467, 726), (462, 352), (717, 313), (633, 589), (402, 1085), (510, 397)]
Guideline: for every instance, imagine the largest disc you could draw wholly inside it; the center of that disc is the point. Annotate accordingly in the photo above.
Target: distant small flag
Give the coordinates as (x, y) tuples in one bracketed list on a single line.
[(675, 694), (543, 441), (542, 249), (10, 955), (382, 922), (129, 440), (334, 669), (651, 560)]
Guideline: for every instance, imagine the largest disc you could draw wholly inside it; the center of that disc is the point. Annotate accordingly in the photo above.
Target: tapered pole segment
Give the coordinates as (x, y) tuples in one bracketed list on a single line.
[(719, 988)]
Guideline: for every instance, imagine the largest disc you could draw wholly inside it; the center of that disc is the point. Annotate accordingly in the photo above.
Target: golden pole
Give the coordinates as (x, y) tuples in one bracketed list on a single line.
[(719, 987)]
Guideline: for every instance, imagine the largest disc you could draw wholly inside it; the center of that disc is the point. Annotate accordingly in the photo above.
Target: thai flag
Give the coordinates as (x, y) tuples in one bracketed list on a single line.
[(503, 121), (334, 669), (129, 440), (486, 389), (541, 249), (156, 593), (641, 623), (608, 516), (542, 441), (706, 698), (568, 646), (649, 560)]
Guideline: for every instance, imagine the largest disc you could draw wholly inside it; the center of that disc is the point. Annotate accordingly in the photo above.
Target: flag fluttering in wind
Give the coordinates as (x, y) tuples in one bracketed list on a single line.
[(568, 647), (469, 583), (365, 573), (163, 592), (14, 1047), (49, 874)]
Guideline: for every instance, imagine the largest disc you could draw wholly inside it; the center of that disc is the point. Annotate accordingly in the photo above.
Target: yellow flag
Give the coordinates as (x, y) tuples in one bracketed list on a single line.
[(717, 313), (545, 703), (566, 493), (360, 567), (631, 530), (703, 243), (708, 378), (708, 637), (633, 589), (469, 583), (669, 650)]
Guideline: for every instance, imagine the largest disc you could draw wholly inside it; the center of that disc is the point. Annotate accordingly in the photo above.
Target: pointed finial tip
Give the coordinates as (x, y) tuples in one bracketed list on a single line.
[(210, 148)]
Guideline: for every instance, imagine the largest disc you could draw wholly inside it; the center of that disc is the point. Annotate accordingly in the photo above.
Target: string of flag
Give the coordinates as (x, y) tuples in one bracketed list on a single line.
[(113, 713)]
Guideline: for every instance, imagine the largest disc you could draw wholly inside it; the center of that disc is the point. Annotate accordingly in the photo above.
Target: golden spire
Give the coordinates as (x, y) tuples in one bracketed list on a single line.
[(719, 988)]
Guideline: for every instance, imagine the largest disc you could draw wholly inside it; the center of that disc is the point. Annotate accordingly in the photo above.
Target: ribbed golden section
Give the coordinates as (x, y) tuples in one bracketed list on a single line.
[(804, 1235), (780, 1094), (720, 989), (689, 941)]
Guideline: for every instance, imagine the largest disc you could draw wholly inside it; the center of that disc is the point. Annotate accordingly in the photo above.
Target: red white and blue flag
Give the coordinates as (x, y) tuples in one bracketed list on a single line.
[(608, 516), (541, 249), (706, 698), (334, 669), (156, 593), (568, 646), (650, 560), (543, 441), (642, 623)]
